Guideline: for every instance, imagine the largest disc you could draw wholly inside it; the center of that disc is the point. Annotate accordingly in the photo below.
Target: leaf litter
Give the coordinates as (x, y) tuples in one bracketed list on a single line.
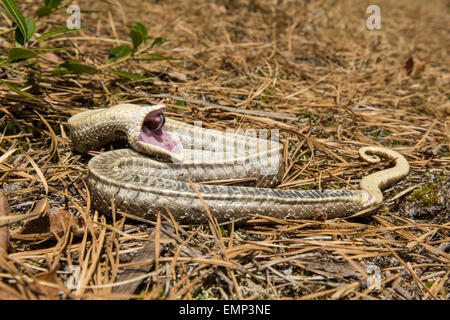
[(311, 70)]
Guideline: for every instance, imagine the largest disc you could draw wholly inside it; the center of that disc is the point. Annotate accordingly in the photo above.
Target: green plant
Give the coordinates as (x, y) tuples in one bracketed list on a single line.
[(26, 46), (24, 31), (122, 53)]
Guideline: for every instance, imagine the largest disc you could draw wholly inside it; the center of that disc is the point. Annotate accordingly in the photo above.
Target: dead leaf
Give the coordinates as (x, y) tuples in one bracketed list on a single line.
[(409, 65), (56, 221), (414, 67), (40, 223), (47, 285), (147, 253), (61, 219), (41, 207)]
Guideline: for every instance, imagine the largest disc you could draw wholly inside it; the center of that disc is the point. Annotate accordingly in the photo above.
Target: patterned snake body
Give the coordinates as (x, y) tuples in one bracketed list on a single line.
[(143, 186)]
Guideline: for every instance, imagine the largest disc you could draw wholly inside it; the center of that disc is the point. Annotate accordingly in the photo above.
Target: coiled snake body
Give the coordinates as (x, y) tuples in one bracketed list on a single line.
[(142, 185)]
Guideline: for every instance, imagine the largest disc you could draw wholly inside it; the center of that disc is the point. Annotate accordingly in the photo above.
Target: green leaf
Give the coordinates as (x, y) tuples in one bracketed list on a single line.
[(31, 27), (19, 39), (56, 32), (78, 67), (6, 63), (180, 103), (136, 38), (17, 90), (119, 52), (15, 13), (44, 11), (53, 49), (21, 53), (52, 4), (49, 7), (158, 41), (139, 27), (138, 34), (130, 75)]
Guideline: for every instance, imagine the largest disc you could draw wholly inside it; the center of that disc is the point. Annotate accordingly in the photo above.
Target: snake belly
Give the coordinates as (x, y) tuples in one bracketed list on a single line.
[(165, 170)]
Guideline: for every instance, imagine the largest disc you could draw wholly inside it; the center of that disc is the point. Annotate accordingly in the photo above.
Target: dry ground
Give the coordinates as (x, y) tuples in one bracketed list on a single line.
[(308, 68)]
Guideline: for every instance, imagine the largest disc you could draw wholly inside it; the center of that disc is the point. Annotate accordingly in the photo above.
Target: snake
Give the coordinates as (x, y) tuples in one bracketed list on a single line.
[(186, 171)]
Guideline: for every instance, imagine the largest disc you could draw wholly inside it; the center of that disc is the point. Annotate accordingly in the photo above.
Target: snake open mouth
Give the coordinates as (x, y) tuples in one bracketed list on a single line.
[(152, 133)]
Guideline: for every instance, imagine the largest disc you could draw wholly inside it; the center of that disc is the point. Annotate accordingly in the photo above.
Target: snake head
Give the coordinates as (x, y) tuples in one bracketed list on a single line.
[(147, 134)]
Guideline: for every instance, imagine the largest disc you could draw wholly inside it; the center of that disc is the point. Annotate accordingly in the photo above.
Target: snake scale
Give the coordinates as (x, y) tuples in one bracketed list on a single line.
[(165, 167)]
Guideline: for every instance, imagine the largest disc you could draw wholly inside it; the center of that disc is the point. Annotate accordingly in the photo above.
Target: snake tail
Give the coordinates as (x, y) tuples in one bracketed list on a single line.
[(374, 182)]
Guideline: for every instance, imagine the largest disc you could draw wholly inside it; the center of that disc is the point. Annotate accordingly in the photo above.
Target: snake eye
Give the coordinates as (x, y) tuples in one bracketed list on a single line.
[(154, 122), (162, 121)]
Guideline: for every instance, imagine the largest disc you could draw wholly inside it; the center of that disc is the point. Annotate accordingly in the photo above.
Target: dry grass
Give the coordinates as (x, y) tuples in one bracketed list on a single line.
[(311, 70)]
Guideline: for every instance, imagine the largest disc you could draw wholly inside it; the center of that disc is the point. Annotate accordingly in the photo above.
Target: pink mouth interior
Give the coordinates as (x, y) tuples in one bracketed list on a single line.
[(158, 137)]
